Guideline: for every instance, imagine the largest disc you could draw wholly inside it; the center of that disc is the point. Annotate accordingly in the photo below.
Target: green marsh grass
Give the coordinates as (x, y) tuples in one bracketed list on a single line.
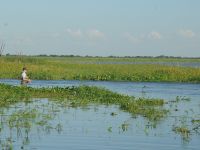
[(67, 68)]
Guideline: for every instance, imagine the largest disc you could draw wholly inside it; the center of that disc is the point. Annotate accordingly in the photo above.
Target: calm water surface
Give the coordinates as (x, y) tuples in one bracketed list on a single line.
[(93, 127)]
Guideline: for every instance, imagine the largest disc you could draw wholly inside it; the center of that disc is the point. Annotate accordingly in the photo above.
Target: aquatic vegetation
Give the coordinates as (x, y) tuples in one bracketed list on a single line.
[(23, 114), (151, 110), (196, 121), (182, 98), (186, 127), (7, 145), (124, 126), (196, 125), (183, 131), (83, 95), (23, 120), (109, 129), (66, 68), (113, 114)]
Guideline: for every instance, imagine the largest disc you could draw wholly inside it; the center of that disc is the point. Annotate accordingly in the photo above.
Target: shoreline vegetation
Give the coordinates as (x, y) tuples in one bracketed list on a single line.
[(94, 68), (152, 109)]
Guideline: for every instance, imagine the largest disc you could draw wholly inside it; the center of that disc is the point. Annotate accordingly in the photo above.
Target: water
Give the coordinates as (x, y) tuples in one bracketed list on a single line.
[(149, 89), (93, 127)]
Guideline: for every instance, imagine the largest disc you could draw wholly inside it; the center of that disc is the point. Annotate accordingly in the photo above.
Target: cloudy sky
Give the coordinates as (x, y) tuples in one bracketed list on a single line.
[(101, 27)]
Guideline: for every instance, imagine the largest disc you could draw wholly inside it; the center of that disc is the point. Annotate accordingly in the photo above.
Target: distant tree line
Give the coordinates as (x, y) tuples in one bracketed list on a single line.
[(87, 56)]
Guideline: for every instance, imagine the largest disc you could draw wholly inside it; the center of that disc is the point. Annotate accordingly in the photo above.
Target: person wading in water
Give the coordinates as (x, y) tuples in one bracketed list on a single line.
[(24, 78)]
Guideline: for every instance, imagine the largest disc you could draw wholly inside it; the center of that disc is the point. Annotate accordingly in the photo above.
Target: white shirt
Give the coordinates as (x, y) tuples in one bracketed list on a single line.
[(24, 76)]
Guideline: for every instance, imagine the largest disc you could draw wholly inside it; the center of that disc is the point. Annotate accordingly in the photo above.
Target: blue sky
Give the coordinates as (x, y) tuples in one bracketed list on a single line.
[(101, 27)]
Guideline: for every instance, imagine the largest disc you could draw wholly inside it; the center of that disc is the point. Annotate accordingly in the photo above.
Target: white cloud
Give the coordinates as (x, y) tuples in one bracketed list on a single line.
[(154, 35), (132, 38), (95, 34), (91, 34), (139, 38), (187, 33), (74, 33)]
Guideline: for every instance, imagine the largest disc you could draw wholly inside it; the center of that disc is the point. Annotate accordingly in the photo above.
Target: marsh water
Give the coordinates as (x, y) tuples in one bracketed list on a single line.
[(56, 126)]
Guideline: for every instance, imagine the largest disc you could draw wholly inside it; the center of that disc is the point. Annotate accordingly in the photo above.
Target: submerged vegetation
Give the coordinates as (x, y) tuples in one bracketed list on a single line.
[(76, 68)]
